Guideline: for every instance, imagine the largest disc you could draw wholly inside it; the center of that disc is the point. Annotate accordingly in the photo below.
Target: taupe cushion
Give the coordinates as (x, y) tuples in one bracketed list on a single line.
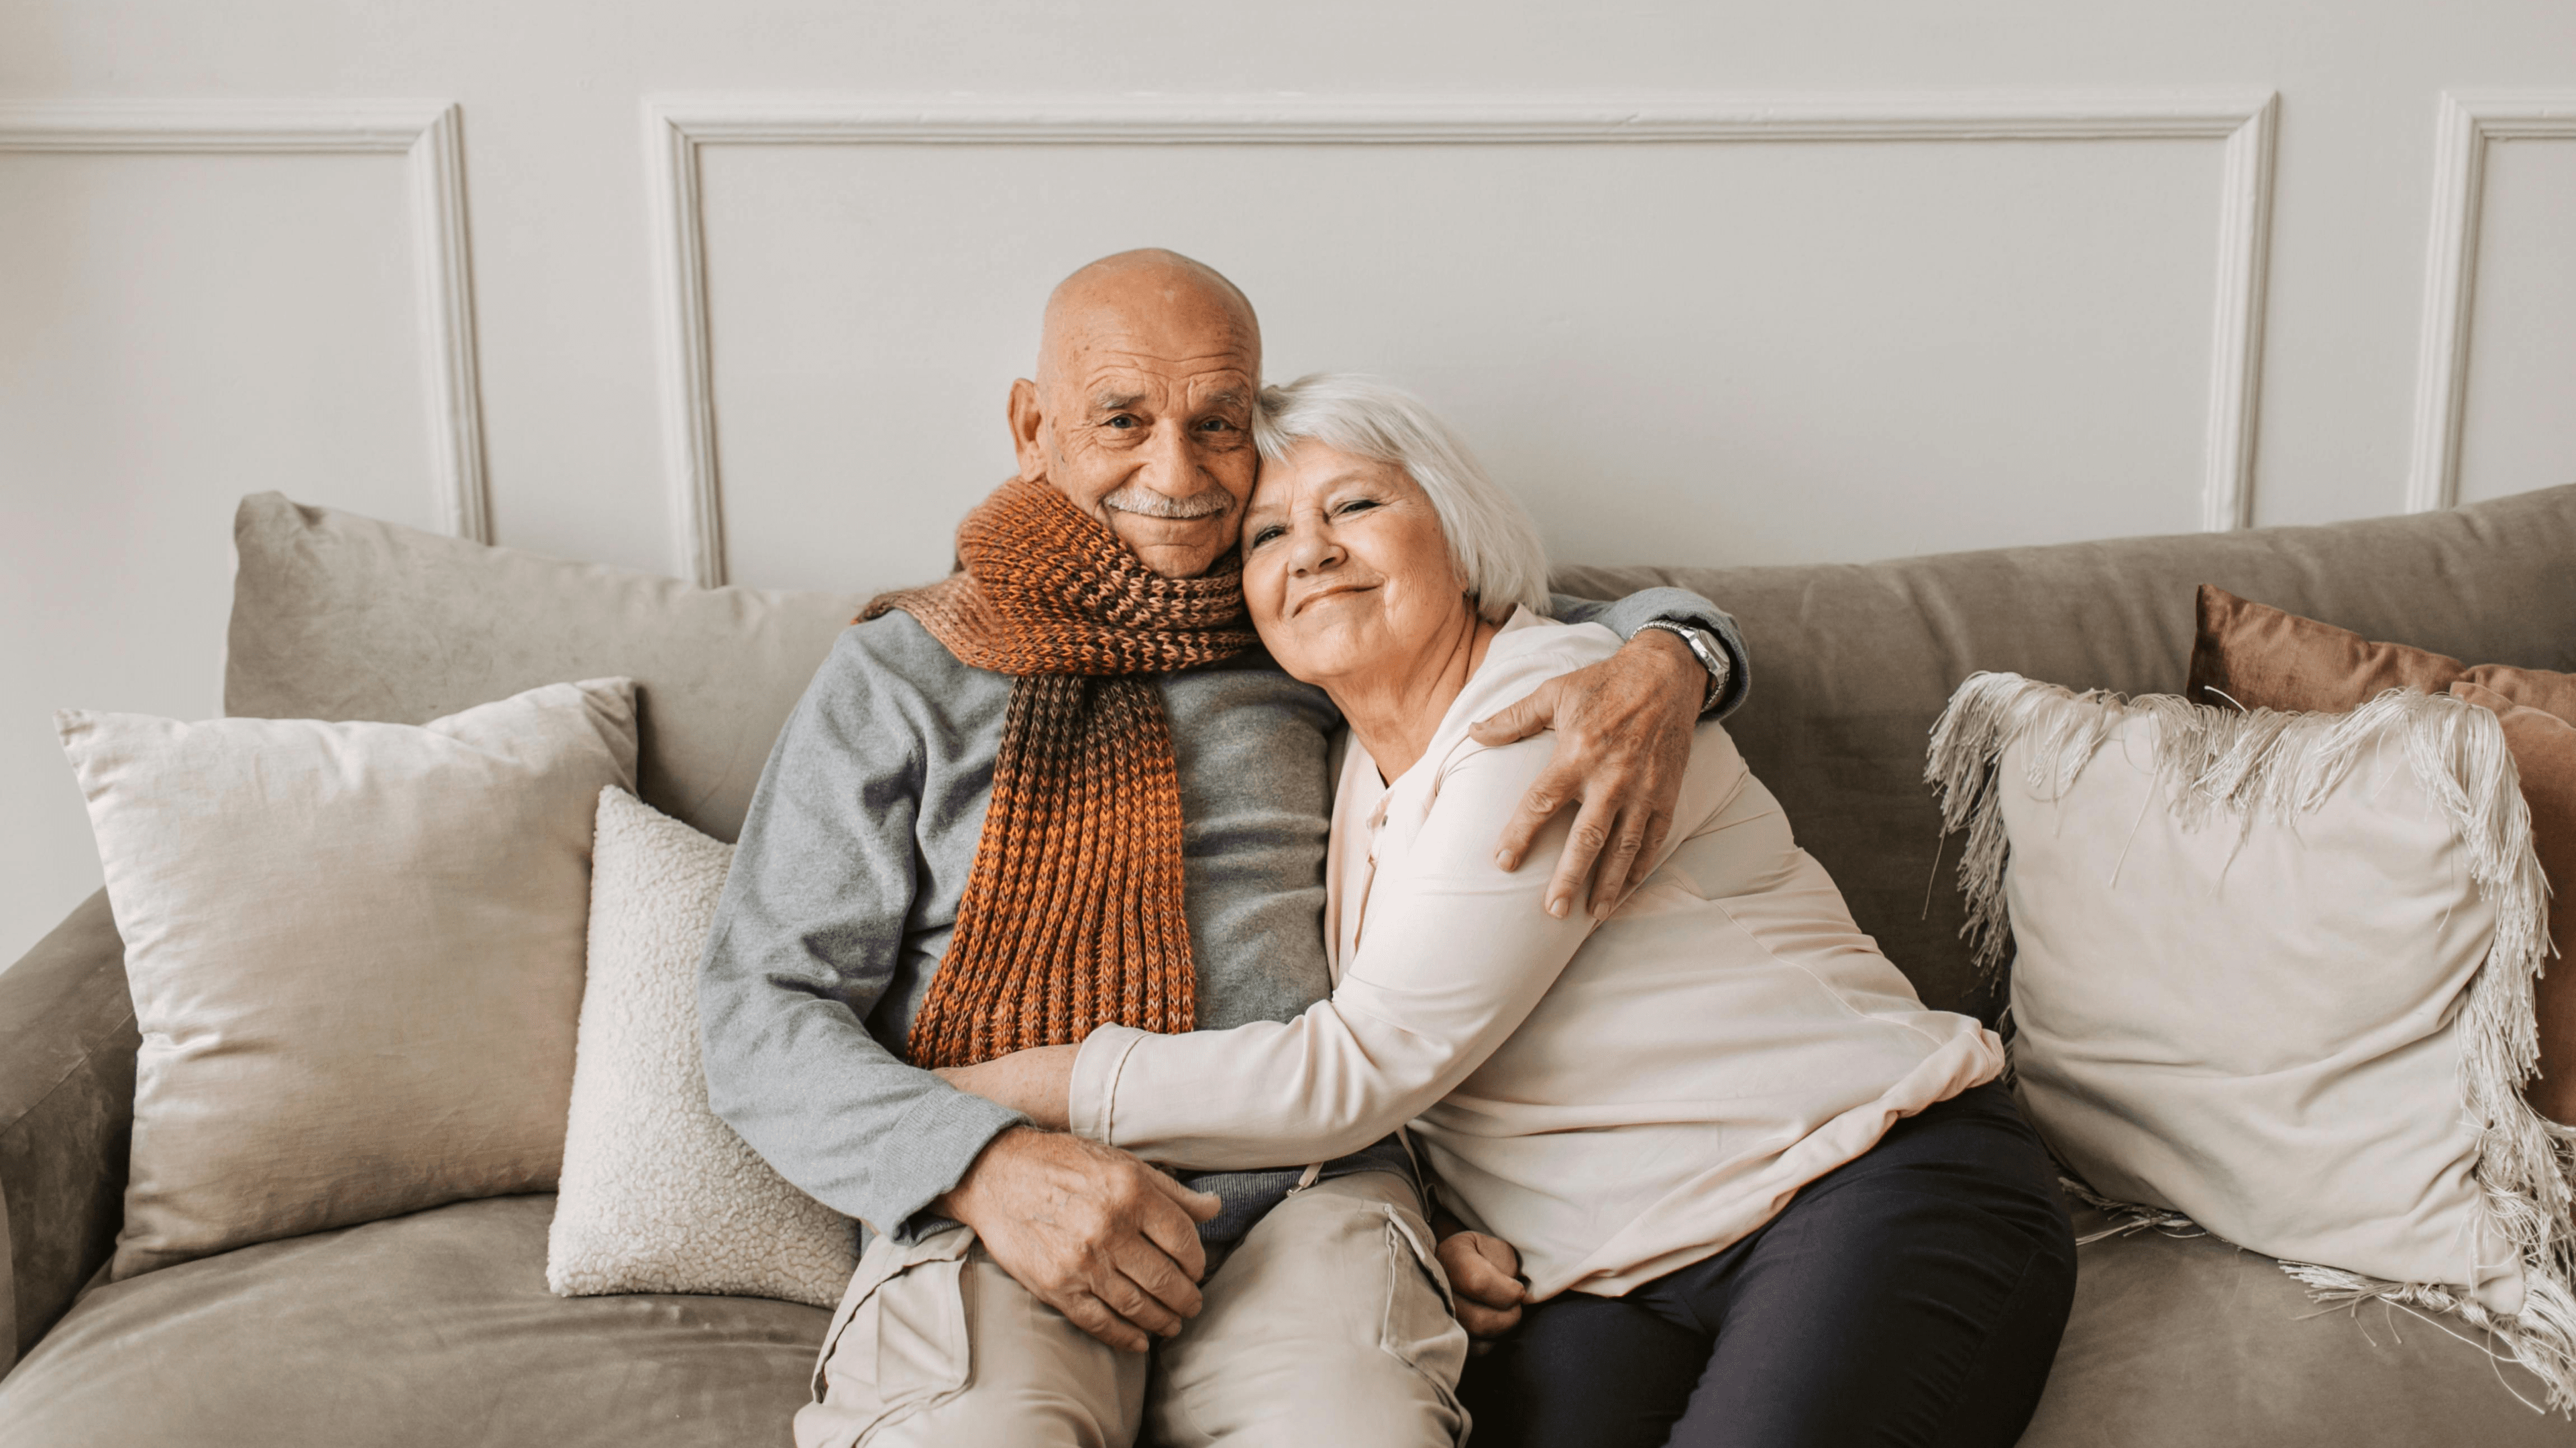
[(437, 1329), (433, 1329), (336, 616), (356, 955), (2191, 1341), (1852, 662)]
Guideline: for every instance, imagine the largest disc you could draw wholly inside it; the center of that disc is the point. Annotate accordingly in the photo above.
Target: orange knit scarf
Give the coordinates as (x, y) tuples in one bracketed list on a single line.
[(1072, 916)]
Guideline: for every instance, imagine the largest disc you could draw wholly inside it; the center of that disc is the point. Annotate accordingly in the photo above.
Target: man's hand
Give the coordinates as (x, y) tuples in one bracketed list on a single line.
[(1098, 1235), (1484, 1273), (1623, 740)]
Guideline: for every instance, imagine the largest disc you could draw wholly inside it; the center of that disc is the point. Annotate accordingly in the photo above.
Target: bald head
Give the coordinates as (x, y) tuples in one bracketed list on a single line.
[(1141, 411), (1148, 292)]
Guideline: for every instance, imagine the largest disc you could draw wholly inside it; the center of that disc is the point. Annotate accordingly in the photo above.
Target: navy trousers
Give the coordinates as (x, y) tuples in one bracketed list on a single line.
[(1914, 1296)]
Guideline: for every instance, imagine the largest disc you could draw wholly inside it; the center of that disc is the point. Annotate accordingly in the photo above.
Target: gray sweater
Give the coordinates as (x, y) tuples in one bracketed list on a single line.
[(856, 851)]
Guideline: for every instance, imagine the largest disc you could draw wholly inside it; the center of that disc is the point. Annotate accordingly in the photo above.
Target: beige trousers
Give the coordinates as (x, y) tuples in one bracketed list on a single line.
[(1329, 1323)]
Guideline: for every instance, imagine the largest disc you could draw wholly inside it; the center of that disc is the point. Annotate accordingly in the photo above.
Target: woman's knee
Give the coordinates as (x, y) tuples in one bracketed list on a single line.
[(1602, 1371)]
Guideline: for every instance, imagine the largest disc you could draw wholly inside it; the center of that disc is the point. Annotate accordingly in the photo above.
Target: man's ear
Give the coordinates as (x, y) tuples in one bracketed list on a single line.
[(1026, 424)]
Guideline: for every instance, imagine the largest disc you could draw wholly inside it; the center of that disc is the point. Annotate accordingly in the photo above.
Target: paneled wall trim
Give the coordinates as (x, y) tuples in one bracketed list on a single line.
[(677, 127), (423, 131), (2469, 121)]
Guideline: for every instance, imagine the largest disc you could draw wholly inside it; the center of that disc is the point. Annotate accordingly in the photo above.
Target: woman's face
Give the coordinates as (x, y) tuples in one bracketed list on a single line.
[(1345, 568)]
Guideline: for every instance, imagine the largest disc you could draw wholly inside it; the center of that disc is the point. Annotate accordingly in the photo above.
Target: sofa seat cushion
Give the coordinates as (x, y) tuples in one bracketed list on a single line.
[(436, 1329), (430, 1329), (2192, 1340)]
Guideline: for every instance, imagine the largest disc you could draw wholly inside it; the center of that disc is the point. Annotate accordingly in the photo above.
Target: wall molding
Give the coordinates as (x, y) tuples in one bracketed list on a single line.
[(677, 128), (426, 133), (2468, 122)]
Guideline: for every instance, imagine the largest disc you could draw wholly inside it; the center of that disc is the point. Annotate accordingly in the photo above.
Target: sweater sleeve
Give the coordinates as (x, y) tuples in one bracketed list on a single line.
[(1676, 605), (1457, 954), (805, 943)]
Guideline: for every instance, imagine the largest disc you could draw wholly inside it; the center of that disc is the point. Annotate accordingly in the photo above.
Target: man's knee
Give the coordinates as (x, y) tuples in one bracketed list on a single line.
[(935, 1344), (1331, 1322)]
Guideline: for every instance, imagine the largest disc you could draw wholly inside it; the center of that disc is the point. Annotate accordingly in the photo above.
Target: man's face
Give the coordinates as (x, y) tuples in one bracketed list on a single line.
[(1143, 417)]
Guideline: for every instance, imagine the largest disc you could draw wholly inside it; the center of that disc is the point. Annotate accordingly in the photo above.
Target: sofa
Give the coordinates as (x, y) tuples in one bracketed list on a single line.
[(436, 1327)]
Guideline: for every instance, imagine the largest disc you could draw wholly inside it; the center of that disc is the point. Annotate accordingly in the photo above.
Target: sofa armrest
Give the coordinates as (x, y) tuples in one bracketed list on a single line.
[(67, 1048)]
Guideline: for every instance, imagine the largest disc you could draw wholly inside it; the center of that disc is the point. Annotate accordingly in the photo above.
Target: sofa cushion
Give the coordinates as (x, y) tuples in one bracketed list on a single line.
[(2272, 971), (355, 952), (2254, 657), (431, 1329), (336, 616), (1853, 662), (657, 1193), (2189, 1340), (437, 1329)]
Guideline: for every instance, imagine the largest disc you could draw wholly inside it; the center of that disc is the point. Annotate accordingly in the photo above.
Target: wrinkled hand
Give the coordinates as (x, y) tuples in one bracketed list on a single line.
[(1484, 1273), (1623, 740), (1037, 1083), (1096, 1234)]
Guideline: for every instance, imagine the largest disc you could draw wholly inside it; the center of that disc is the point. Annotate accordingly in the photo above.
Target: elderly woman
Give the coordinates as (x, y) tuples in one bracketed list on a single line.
[(1761, 1193)]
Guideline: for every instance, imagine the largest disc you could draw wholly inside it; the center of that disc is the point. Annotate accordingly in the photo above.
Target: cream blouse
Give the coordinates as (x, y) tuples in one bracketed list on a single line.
[(1616, 1099)]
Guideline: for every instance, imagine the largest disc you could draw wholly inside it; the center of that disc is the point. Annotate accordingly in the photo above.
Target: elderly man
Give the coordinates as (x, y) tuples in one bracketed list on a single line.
[(1064, 788)]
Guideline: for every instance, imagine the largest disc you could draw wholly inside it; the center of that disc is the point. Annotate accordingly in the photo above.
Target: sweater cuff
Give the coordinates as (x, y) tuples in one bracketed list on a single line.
[(940, 1138), (1093, 1096)]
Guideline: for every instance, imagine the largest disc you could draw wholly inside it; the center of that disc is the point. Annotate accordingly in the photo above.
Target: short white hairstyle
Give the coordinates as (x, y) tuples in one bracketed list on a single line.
[(1492, 541)]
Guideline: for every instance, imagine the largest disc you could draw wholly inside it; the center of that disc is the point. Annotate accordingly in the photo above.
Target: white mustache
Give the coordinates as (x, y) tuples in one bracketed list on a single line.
[(1146, 503)]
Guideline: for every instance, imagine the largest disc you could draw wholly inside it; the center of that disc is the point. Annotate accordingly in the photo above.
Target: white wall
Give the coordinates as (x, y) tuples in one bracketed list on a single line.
[(2004, 306)]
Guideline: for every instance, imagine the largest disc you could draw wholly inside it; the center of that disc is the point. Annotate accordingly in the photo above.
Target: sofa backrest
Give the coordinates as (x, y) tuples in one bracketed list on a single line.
[(341, 617), (336, 616), (1853, 662)]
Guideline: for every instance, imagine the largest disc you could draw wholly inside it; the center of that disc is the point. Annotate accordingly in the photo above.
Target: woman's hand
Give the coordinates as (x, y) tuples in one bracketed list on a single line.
[(1037, 1083), (1484, 1274), (1623, 742)]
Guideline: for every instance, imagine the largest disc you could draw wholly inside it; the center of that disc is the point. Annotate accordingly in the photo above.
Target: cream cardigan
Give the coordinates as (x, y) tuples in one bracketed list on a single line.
[(1616, 1100)]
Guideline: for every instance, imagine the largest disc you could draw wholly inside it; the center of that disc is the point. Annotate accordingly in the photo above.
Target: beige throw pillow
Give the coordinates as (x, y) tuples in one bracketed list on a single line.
[(2274, 971), (659, 1195), (355, 952)]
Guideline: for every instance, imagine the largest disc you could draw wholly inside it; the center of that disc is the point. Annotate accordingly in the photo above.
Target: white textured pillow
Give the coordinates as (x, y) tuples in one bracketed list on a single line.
[(355, 952), (658, 1194), (2274, 971)]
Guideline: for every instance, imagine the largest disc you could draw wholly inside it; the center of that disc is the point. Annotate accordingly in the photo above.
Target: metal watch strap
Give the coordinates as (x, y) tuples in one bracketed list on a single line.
[(1704, 649)]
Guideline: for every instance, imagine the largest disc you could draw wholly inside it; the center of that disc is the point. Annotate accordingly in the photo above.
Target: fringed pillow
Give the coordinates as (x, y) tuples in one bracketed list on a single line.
[(2274, 972), (2248, 655), (658, 1194)]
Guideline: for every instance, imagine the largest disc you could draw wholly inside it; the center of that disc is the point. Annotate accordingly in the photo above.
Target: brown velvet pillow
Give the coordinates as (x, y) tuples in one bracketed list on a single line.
[(2261, 658)]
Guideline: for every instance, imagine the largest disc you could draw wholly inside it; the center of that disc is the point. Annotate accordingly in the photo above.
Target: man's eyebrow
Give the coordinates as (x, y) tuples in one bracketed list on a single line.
[(1115, 401), (1228, 397)]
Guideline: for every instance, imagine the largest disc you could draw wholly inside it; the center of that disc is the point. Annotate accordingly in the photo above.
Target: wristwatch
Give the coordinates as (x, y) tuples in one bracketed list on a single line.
[(1705, 648)]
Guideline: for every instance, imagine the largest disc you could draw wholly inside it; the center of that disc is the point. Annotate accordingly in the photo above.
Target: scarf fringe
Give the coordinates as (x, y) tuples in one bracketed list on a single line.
[(2265, 765)]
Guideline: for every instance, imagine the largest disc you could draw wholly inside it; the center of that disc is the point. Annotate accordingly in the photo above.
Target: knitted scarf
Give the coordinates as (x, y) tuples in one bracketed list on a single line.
[(1072, 916)]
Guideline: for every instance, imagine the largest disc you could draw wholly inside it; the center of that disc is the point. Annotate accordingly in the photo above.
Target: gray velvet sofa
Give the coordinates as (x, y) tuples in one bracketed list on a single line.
[(436, 1328)]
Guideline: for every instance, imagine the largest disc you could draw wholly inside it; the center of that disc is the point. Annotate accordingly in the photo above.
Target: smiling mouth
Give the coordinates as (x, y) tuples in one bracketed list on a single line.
[(1323, 595), (1146, 503)]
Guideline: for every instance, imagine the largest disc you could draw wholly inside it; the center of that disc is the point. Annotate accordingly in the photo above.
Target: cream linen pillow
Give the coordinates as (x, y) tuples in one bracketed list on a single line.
[(355, 952), (2274, 971), (658, 1195)]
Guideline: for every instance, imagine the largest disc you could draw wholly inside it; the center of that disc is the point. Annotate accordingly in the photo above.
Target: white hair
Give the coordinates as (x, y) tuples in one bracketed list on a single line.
[(1492, 541)]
